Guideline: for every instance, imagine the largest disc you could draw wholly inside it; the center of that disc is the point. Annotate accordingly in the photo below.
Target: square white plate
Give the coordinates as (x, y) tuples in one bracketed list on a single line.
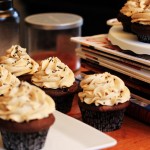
[(68, 133)]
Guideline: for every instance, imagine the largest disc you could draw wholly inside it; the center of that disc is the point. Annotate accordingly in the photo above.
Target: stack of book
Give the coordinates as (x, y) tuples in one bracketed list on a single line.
[(98, 54)]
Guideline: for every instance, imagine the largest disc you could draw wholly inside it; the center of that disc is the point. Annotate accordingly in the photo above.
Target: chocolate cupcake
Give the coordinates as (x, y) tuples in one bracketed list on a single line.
[(141, 24), (58, 81), (26, 115), (103, 101), (19, 63), (125, 13)]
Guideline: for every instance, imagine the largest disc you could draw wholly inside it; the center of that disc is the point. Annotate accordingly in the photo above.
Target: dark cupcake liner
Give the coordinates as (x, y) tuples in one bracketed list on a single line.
[(105, 121), (63, 103), (23, 141), (143, 38), (126, 22), (126, 27), (141, 31)]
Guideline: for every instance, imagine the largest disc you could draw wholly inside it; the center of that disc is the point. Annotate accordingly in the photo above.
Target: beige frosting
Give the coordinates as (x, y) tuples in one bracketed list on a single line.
[(18, 62), (54, 74), (142, 17), (24, 103), (103, 89), (7, 80), (133, 6)]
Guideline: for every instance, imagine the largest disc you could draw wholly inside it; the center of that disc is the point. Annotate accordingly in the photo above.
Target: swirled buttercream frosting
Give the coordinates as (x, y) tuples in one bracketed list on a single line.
[(133, 6), (18, 62), (25, 102), (142, 17), (54, 74), (103, 89), (7, 80)]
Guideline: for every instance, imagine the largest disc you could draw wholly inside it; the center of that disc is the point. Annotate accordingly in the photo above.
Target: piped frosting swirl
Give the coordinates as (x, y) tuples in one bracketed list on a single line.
[(18, 62), (103, 89), (142, 17), (54, 74), (133, 6), (25, 102)]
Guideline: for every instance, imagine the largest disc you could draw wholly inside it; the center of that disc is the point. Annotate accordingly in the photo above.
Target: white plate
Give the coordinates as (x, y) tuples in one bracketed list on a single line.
[(127, 41), (68, 133), (113, 22)]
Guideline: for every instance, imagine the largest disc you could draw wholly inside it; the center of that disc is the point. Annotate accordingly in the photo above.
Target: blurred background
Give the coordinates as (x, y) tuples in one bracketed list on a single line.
[(95, 13)]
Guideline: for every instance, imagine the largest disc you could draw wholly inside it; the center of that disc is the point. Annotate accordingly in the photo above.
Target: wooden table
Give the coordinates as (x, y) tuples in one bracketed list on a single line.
[(133, 135)]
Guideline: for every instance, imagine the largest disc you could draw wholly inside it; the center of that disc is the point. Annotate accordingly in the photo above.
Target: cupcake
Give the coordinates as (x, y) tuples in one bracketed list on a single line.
[(7, 80), (19, 63), (26, 115), (141, 24), (103, 100), (58, 81), (129, 8)]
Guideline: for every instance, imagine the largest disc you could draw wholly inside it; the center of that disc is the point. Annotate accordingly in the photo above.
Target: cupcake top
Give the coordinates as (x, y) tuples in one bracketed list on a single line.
[(54, 74), (18, 62), (133, 6), (103, 89), (25, 102), (142, 17), (7, 80)]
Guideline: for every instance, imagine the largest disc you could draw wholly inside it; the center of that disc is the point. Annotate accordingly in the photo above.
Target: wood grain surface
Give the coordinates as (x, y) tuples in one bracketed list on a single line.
[(133, 135)]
